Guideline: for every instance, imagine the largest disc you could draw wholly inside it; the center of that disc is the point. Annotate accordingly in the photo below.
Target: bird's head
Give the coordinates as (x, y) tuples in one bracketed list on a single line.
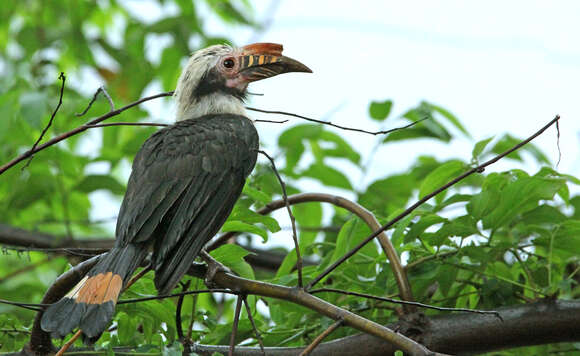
[(215, 79)]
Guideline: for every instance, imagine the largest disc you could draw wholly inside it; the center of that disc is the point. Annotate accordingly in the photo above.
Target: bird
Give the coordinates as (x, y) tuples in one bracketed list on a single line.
[(184, 183)]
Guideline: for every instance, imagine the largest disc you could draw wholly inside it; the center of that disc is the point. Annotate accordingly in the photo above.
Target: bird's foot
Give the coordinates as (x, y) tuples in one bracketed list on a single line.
[(213, 267)]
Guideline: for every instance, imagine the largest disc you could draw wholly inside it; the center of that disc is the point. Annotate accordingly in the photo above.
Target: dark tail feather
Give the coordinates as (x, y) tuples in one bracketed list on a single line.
[(90, 305)]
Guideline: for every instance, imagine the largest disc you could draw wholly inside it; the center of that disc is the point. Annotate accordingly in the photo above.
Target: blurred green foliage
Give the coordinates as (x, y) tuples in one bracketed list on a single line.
[(494, 239)]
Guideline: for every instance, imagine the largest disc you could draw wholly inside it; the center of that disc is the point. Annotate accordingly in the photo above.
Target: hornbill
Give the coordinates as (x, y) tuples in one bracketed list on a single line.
[(185, 181)]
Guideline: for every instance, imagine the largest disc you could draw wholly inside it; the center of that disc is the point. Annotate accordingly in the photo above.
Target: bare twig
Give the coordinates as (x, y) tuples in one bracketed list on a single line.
[(292, 218), (105, 94), (382, 132), (29, 306), (69, 343), (480, 168), (558, 144), (77, 130), (272, 121), (129, 124), (178, 326), (63, 78), (397, 301), (321, 337), (235, 325), (189, 292), (251, 318), (137, 277)]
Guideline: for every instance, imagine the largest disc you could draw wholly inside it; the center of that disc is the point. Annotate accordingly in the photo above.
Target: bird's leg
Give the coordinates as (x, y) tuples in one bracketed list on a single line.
[(213, 267)]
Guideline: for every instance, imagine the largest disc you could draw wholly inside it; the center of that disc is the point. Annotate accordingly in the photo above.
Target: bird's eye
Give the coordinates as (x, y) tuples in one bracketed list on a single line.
[(229, 63)]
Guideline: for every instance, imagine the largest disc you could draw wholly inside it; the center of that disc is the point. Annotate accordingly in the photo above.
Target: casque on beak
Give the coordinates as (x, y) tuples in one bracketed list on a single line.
[(264, 60)]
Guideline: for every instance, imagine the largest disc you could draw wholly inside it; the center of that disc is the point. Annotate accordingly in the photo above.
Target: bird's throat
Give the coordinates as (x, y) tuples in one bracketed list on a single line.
[(214, 103)]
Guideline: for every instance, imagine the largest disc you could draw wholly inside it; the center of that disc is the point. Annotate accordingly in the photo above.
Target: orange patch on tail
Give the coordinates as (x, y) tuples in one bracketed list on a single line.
[(101, 288)]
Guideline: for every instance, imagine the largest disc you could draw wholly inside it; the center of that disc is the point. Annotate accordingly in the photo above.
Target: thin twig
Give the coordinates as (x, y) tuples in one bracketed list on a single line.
[(129, 124), (235, 326), (187, 342), (480, 168), (321, 337), (178, 326), (251, 318), (382, 132), (272, 121), (558, 144), (69, 343), (137, 276), (63, 78), (292, 218), (107, 96), (29, 306), (189, 292), (77, 130), (404, 302)]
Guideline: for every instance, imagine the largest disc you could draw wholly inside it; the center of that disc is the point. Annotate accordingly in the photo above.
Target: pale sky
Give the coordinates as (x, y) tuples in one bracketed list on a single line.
[(498, 66)]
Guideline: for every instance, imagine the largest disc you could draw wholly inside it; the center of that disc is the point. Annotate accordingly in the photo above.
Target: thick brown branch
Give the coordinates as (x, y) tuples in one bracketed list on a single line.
[(539, 323)]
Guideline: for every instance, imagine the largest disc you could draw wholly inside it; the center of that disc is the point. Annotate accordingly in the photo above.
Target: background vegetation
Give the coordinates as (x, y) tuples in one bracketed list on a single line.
[(495, 239)]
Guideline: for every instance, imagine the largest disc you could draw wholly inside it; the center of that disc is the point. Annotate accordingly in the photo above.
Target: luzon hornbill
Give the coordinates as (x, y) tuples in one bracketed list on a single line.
[(185, 181)]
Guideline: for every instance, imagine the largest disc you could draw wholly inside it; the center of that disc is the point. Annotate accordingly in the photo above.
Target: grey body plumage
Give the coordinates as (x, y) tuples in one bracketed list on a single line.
[(185, 181)]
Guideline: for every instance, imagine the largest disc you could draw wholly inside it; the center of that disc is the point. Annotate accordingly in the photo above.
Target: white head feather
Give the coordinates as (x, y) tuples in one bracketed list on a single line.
[(199, 63)]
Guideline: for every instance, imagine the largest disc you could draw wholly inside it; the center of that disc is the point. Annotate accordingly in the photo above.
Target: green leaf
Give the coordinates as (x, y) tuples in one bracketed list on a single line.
[(307, 216), (257, 194), (440, 176), (98, 181), (33, 108), (420, 226), (380, 110), (287, 264), (291, 141), (232, 256), (240, 226), (327, 176), (521, 196), (449, 116), (341, 147), (479, 147), (508, 141)]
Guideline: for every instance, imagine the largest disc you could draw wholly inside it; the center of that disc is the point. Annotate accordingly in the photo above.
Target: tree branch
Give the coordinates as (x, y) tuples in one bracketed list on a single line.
[(544, 322)]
